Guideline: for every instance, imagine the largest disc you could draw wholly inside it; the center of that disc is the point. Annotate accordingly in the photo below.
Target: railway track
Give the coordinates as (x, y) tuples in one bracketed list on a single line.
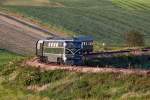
[(84, 69), (142, 51), (96, 69)]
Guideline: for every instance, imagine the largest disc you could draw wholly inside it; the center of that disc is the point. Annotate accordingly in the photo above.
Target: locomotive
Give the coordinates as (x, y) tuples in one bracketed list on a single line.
[(69, 51)]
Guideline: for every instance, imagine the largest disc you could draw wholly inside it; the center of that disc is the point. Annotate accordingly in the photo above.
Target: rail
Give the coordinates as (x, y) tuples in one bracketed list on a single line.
[(121, 52)]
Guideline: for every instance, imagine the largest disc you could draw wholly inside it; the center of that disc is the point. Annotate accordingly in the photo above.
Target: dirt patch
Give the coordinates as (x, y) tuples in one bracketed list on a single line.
[(37, 88), (83, 69)]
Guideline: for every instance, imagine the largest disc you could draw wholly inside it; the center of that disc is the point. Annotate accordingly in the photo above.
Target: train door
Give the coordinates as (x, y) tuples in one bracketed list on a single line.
[(39, 48)]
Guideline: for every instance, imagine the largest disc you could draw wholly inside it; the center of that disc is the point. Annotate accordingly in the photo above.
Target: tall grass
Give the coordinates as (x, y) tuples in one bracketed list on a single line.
[(7, 57), (69, 85), (8, 66), (15, 78)]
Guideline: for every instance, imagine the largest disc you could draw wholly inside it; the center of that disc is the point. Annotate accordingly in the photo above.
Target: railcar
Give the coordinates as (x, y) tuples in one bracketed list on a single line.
[(67, 51)]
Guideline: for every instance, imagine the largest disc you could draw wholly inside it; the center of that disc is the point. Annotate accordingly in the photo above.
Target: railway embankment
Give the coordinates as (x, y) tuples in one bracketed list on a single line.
[(85, 69)]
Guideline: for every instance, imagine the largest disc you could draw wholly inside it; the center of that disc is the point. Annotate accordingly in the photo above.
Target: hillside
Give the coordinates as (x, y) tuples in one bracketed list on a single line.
[(7, 65), (18, 37), (6, 57), (106, 20), (22, 82)]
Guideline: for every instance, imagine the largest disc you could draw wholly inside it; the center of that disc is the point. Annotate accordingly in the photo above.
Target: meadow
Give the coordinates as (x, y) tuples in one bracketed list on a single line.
[(105, 20), (8, 57), (15, 80)]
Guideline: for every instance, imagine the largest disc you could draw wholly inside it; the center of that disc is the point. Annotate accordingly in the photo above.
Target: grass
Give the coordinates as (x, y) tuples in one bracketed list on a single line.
[(64, 85), (7, 57), (105, 20), (69, 85), (121, 61), (6, 92)]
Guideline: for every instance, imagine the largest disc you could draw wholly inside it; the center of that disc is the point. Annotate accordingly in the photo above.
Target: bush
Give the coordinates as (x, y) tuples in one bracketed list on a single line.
[(134, 39)]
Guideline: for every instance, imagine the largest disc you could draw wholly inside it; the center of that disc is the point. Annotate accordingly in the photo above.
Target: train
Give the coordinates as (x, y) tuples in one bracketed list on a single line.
[(68, 51)]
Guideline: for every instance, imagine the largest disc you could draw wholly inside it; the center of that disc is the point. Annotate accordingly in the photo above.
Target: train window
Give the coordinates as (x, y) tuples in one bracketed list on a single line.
[(82, 43), (86, 43), (52, 44), (56, 44), (49, 44), (89, 43), (60, 44)]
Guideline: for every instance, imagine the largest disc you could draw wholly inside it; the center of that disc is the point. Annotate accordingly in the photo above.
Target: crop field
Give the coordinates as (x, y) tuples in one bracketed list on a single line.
[(105, 20), (17, 37)]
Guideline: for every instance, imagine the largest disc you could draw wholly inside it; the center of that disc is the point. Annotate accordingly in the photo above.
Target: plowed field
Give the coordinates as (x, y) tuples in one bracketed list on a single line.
[(17, 37)]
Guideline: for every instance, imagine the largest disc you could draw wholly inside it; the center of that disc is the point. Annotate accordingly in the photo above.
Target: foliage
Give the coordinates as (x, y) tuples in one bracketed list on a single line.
[(141, 62), (69, 85), (8, 57), (42, 78), (8, 69), (134, 39)]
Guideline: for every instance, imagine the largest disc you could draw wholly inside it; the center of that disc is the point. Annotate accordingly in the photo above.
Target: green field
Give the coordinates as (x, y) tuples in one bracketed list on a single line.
[(105, 20)]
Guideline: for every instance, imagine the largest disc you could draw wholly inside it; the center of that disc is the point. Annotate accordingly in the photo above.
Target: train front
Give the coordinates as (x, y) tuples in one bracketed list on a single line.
[(73, 52)]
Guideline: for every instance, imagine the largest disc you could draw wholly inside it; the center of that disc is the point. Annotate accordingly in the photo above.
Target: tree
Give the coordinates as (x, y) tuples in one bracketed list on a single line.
[(134, 38)]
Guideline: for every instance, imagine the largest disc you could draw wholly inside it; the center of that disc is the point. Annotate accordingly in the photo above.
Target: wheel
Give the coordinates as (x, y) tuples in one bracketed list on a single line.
[(59, 61), (43, 59)]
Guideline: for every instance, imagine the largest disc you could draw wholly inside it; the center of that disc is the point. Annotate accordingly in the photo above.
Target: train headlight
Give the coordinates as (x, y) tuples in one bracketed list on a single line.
[(64, 58), (65, 44)]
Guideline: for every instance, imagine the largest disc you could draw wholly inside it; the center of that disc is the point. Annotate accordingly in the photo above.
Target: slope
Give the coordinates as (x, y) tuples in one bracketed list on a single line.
[(17, 37), (23, 82), (106, 20)]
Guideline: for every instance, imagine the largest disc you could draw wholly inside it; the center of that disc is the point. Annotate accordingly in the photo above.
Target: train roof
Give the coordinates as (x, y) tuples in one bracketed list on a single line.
[(77, 38)]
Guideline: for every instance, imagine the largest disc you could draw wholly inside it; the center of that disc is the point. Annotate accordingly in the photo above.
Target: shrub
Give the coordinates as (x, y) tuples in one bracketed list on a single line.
[(134, 38)]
